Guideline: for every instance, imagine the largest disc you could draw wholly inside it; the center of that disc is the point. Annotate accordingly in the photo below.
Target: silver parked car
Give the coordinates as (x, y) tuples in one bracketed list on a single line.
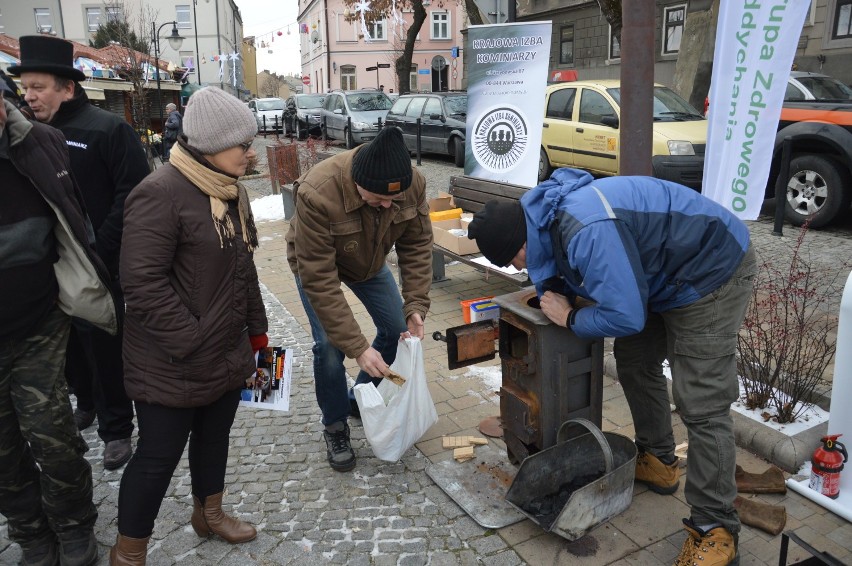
[(362, 108), (804, 85), (269, 113)]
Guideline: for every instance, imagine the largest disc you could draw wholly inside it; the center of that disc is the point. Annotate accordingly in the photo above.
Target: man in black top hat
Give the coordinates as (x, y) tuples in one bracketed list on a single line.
[(107, 160)]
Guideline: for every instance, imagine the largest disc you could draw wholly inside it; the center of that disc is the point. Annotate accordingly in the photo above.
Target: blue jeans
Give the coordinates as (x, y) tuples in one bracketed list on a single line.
[(380, 295)]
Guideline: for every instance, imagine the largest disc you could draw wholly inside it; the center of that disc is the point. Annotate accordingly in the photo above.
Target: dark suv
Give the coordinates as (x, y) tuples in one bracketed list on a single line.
[(303, 114), (361, 108), (442, 122)]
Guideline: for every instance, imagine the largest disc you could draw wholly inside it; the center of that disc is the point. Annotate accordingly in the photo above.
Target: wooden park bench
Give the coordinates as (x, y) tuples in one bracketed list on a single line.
[(470, 194)]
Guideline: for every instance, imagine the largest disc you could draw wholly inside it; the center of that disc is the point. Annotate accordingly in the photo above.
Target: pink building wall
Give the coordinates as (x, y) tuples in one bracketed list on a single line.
[(335, 55)]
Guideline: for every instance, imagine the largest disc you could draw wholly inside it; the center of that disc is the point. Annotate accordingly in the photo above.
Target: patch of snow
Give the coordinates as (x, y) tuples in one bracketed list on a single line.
[(808, 419), (268, 208), (492, 376)]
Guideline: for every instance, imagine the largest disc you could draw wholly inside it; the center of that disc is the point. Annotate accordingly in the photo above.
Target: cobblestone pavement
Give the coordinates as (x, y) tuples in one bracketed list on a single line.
[(389, 514)]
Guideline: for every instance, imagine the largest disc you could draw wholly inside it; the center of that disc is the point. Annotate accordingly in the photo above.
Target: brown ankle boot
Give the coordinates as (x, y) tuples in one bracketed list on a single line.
[(209, 518), (128, 551)]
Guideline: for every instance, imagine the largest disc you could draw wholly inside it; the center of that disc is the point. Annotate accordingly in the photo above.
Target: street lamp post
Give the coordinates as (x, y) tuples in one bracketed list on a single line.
[(175, 41)]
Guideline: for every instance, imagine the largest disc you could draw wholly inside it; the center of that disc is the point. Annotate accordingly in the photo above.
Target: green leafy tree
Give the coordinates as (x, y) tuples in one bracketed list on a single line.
[(119, 31)]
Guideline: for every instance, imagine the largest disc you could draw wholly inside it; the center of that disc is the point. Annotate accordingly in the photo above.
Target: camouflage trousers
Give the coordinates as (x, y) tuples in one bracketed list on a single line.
[(37, 431)]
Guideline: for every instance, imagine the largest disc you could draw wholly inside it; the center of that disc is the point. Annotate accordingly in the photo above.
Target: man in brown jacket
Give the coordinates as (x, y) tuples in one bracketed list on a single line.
[(351, 210)]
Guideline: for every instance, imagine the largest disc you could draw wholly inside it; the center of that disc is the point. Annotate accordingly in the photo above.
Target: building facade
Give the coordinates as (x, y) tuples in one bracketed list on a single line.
[(212, 48), (337, 54), (583, 41)]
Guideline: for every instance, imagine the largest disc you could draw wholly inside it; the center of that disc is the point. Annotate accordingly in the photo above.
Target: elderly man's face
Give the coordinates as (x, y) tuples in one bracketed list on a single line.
[(44, 94)]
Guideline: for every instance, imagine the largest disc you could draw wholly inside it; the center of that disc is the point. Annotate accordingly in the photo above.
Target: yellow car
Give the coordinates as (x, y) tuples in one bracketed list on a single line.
[(581, 123)]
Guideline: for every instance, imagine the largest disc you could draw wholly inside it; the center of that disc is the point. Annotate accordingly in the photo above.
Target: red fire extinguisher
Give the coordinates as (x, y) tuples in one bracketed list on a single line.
[(826, 464)]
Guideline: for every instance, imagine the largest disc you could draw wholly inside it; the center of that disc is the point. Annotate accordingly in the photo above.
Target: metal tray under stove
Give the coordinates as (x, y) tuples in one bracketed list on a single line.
[(479, 486)]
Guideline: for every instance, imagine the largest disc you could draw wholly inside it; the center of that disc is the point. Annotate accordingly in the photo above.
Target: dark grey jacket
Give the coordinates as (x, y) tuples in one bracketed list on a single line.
[(39, 153)]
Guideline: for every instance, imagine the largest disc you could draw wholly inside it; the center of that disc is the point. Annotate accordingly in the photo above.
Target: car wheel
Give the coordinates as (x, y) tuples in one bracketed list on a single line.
[(350, 143), (458, 152), (543, 166), (818, 189)]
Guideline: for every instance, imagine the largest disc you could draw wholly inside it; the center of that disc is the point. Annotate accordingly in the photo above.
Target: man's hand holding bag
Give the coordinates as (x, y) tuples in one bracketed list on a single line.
[(395, 417)]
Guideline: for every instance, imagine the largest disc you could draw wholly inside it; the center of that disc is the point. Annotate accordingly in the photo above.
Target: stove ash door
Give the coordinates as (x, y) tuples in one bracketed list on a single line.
[(470, 344)]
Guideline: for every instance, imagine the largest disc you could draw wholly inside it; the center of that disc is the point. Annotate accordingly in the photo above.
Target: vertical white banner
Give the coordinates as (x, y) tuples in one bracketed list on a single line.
[(755, 44), (507, 75)]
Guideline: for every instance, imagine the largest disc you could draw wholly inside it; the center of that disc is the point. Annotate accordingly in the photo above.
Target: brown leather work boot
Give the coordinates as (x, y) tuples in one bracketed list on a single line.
[(128, 551), (209, 518), (715, 547), (660, 478)]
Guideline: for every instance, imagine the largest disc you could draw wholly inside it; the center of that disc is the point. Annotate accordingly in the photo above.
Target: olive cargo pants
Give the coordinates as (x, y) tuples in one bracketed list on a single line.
[(700, 342)]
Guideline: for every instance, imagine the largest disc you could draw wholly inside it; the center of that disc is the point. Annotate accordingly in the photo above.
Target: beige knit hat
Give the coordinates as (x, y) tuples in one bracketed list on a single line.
[(215, 121)]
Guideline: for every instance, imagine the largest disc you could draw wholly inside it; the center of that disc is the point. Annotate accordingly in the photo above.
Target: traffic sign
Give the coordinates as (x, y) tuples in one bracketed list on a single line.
[(372, 69), (383, 65), (306, 80)]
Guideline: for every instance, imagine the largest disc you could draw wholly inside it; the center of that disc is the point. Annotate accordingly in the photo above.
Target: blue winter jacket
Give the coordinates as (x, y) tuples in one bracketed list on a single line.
[(630, 245)]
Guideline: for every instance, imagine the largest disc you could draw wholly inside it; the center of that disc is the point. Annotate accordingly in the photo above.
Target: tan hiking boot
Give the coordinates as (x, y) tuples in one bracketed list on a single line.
[(659, 477), (715, 547)]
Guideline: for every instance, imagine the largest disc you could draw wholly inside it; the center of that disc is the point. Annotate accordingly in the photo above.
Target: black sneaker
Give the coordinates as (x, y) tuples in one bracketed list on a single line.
[(341, 457)]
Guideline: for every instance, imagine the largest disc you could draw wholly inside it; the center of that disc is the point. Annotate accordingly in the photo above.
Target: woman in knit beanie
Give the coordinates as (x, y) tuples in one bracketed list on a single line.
[(194, 319)]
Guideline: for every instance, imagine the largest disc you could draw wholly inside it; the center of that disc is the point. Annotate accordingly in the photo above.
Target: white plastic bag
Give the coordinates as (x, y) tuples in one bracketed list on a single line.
[(395, 417)]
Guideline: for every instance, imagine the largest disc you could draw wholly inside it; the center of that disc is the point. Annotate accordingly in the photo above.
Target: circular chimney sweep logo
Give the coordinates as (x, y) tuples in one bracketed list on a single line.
[(500, 139)]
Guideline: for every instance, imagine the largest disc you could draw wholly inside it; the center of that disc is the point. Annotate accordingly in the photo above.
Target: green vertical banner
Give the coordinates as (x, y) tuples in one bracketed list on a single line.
[(755, 46), (507, 75)]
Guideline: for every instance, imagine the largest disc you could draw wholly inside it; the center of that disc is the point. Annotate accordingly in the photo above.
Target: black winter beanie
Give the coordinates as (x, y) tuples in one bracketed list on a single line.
[(500, 231), (383, 166)]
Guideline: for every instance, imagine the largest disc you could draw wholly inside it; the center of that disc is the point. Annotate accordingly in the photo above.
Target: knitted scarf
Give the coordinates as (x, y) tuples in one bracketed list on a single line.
[(220, 188)]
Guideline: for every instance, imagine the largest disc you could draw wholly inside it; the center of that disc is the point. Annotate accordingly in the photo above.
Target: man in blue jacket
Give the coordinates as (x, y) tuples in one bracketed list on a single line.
[(669, 274)]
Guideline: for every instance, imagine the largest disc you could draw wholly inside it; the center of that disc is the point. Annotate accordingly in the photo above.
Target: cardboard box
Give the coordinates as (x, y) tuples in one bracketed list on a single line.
[(443, 208), (442, 203), (485, 310), (465, 306), (457, 244)]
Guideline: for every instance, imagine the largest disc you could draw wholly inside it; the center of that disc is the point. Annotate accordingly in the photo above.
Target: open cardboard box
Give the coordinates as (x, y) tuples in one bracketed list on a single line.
[(456, 244), (443, 208)]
